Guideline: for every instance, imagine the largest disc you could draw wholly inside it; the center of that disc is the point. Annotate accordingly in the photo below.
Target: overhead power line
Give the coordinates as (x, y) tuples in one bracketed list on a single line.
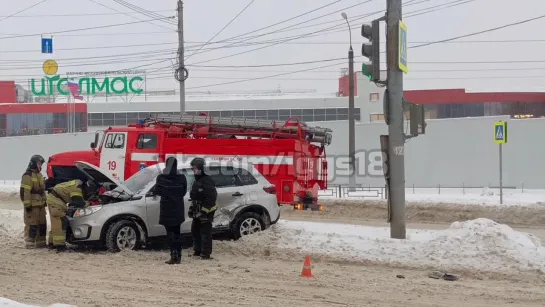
[(118, 11), (196, 43), (322, 31), (82, 29), (144, 11), (99, 34), (78, 15), (23, 10), (225, 27), (481, 32), (264, 77), (284, 21)]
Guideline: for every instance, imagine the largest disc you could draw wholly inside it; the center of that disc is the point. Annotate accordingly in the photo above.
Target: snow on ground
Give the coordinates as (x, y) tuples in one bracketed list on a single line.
[(479, 244), (4, 302), (482, 196)]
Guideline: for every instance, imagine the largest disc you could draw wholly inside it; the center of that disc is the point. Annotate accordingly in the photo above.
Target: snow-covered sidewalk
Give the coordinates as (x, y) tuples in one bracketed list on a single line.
[(484, 196), (479, 244), (475, 196)]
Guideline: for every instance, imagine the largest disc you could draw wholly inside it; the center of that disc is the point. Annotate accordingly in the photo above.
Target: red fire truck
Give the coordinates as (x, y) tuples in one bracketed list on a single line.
[(291, 155)]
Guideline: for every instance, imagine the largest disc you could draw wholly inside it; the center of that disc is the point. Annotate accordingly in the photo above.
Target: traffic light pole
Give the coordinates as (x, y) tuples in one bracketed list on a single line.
[(395, 126)]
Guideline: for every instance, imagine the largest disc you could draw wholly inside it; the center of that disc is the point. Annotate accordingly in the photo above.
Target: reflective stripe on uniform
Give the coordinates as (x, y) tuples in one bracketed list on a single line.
[(73, 194), (34, 179), (26, 187), (209, 210), (58, 239)]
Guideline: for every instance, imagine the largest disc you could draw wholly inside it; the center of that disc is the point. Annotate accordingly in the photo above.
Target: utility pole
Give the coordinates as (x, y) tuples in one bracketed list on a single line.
[(395, 127), (181, 64)]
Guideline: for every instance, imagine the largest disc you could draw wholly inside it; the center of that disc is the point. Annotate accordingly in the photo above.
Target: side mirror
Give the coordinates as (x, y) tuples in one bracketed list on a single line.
[(94, 144)]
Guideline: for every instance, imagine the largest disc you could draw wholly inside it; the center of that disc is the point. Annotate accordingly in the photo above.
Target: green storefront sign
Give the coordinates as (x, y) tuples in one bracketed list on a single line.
[(117, 85)]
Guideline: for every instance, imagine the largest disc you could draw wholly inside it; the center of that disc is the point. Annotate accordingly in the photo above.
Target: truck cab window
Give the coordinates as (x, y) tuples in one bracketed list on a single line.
[(115, 140), (147, 141)]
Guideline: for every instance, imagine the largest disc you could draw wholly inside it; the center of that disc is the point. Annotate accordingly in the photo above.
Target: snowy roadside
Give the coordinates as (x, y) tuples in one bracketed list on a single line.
[(4, 302), (480, 245)]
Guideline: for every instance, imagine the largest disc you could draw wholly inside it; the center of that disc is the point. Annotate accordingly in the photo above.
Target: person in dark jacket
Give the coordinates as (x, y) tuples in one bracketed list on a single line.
[(203, 195), (171, 185)]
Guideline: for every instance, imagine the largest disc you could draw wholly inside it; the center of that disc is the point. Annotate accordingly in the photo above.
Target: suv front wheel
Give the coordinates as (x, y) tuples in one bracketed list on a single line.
[(122, 236), (246, 224)]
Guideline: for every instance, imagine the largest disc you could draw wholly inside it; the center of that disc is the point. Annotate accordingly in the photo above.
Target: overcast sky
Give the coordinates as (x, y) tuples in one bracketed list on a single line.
[(21, 58)]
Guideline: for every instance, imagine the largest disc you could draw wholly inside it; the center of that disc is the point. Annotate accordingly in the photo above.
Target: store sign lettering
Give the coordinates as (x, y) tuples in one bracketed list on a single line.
[(117, 85)]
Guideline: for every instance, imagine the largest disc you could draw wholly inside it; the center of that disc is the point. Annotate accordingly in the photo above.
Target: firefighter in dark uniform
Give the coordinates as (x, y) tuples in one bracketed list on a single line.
[(33, 197), (62, 201), (203, 196)]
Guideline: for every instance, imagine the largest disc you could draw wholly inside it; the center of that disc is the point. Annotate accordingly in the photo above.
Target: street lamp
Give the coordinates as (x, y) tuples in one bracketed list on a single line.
[(351, 112)]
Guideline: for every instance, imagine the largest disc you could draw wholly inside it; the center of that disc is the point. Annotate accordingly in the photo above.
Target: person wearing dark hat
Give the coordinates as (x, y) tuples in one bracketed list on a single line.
[(171, 185), (203, 196), (32, 193)]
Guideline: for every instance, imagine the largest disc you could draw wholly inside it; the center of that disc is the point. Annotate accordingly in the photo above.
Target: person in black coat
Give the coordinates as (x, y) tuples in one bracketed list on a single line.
[(171, 185)]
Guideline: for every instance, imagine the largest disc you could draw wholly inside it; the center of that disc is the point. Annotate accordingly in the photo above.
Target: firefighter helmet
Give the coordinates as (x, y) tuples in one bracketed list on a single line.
[(198, 163), (35, 160)]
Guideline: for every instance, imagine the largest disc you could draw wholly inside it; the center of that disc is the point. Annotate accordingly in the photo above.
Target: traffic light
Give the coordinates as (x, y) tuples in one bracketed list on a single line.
[(371, 50)]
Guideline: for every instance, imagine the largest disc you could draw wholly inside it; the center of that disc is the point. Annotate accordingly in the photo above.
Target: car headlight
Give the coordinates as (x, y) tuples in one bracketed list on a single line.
[(87, 211)]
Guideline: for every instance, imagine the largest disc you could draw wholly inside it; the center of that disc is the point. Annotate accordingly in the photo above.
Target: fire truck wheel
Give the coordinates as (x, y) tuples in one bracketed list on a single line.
[(247, 223), (122, 236)]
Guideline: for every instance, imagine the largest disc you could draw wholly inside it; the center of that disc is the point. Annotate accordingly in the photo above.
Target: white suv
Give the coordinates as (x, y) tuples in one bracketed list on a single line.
[(127, 217)]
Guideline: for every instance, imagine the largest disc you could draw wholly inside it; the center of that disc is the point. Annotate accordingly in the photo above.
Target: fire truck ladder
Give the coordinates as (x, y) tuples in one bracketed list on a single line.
[(291, 129)]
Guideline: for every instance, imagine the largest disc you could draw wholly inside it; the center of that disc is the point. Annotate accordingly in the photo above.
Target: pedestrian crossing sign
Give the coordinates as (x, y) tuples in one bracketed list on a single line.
[(500, 132)]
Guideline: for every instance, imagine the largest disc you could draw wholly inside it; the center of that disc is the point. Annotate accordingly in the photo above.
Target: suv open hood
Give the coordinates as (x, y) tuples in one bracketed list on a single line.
[(97, 175)]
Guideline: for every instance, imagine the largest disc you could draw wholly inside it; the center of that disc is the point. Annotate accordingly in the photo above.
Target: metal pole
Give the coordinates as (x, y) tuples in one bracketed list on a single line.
[(351, 121), (181, 64), (395, 128), (351, 112), (501, 175)]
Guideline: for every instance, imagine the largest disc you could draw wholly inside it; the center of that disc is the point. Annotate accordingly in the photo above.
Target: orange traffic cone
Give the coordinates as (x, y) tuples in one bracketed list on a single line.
[(307, 268)]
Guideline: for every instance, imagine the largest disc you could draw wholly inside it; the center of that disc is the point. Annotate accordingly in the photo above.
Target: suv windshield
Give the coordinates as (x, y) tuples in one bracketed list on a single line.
[(142, 179)]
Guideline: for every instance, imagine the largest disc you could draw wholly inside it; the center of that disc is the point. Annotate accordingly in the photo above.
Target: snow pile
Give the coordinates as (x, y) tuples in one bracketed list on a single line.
[(11, 224), (479, 244), (4, 302), (486, 242)]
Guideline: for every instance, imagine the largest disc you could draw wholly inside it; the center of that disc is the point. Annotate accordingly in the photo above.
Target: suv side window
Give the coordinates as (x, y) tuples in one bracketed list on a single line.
[(245, 177), (147, 141), (223, 176)]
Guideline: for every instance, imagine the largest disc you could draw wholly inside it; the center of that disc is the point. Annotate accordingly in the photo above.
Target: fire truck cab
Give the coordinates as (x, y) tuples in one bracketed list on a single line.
[(291, 155)]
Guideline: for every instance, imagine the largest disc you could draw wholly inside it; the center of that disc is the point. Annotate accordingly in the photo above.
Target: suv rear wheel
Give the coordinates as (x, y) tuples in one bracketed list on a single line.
[(122, 236), (246, 224)]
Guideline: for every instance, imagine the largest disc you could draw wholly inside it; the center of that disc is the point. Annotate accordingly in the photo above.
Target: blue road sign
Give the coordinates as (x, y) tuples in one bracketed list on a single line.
[(142, 166), (500, 132), (47, 45), (403, 62)]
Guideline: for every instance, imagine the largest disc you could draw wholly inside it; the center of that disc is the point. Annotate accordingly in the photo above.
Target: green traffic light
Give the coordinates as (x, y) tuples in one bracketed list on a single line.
[(365, 72)]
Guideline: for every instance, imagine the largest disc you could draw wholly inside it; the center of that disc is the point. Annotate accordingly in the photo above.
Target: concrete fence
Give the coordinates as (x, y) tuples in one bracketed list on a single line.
[(453, 153)]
